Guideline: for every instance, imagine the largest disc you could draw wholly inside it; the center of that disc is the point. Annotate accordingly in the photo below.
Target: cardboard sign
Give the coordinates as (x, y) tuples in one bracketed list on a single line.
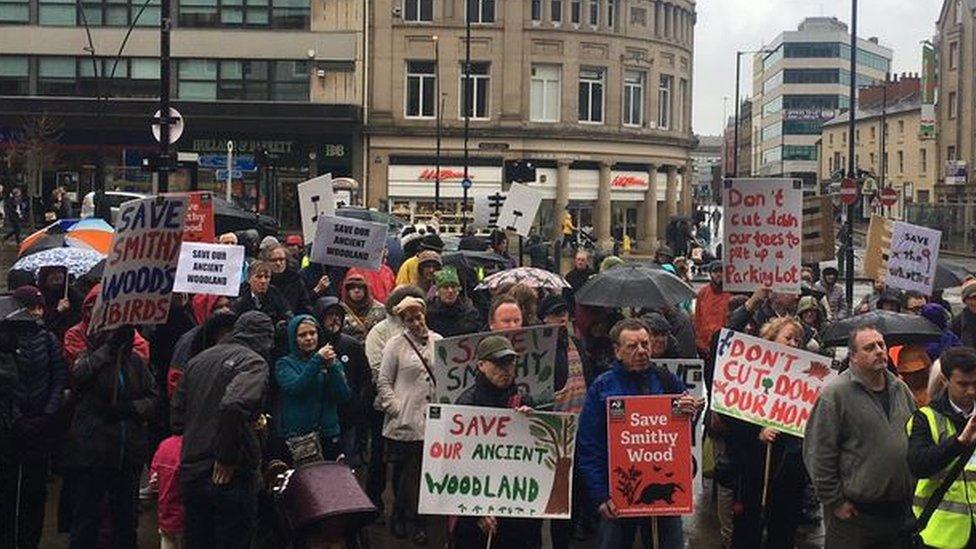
[(209, 269), (518, 211), (199, 225), (497, 462), (913, 257), (649, 450), (487, 207), (766, 383), (691, 372), (818, 230), (878, 246), (141, 263), (455, 365), (315, 198), (348, 242), (762, 234)]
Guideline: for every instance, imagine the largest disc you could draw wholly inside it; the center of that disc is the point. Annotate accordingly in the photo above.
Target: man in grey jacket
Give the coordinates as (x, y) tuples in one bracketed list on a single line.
[(216, 407), (855, 449)]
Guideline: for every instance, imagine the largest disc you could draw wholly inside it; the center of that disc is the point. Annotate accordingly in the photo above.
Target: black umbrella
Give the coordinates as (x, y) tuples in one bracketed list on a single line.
[(229, 217), (809, 289), (472, 260), (897, 328), (634, 285), (949, 275)]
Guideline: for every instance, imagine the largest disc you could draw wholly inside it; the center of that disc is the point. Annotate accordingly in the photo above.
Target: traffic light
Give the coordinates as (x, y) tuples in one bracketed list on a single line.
[(519, 171)]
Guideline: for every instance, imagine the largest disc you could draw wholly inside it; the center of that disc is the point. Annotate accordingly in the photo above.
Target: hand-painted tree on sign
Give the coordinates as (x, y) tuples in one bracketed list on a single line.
[(556, 434)]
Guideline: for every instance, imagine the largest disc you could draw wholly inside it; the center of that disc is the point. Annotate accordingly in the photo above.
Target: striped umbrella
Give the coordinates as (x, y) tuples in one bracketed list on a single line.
[(92, 234)]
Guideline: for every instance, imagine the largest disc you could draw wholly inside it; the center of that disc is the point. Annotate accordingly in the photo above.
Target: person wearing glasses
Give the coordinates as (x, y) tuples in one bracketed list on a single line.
[(258, 294), (287, 280)]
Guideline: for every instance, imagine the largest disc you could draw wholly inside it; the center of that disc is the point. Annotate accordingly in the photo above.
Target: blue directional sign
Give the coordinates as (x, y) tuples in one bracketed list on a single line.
[(219, 162), (221, 175), (465, 183)]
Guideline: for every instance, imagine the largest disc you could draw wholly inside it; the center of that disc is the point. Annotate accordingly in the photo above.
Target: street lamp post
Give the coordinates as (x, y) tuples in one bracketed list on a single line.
[(164, 76), (437, 94), (735, 130), (466, 92), (851, 171)]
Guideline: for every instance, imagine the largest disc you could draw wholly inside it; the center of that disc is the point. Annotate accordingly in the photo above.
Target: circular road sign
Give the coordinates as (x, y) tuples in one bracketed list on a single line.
[(848, 191), (889, 196), (175, 126), (465, 183)]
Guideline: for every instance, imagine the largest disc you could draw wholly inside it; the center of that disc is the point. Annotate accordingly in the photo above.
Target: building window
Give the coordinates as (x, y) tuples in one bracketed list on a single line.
[(556, 11), (242, 80), (958, 12), (290, 81), (830, 138), (594, 12), (14, 11), (951, 152), (857, 136), (884, 158), (952, 105), (638, 16), (57, 12), (536, 10), (278, 14), (14, 75), (418, 11), (56, 76), (575, 11), (923, 161), (901, 162), (611, 12), (545, 93), (873, 133), (633, 98), (953, 55), (198, 79), (421, 89), (872, 159), (901, 126), (481, 11), (119, 13), (664, 101), (477, 92), (591, 95)]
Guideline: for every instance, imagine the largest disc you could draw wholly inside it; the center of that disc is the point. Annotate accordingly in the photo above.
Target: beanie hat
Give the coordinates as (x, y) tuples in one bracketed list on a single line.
[(610, 262), (428, 255), (446, 277), (409, 302), (28, 296)]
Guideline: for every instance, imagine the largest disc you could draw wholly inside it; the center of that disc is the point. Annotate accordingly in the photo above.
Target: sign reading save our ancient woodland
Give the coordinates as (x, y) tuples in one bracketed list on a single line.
[(649, 443), (497, 462)]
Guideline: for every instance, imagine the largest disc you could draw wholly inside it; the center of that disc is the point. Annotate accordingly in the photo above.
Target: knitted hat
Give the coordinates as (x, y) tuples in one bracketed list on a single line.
[(446, 277), (409, 302), (28, 296), (428, 255)]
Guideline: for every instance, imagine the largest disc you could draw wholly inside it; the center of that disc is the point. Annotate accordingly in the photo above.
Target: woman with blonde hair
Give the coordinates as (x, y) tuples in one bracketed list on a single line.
[(780, 491)]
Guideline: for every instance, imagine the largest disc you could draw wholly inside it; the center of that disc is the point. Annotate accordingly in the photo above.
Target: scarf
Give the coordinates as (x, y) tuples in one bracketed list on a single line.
[(570, 398)]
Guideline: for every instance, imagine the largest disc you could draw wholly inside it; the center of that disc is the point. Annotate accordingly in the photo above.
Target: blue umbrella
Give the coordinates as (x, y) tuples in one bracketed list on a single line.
[(78, 260)]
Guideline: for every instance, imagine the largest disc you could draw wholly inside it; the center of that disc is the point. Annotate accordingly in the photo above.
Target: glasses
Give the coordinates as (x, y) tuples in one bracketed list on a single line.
[(279, 260)]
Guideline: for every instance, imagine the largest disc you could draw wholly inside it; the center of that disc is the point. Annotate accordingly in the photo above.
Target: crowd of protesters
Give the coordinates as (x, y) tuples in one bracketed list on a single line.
[(194, 412)]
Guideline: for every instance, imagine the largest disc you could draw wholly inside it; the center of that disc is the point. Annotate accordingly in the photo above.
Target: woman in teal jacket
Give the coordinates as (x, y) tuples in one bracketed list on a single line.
[(312, 384)]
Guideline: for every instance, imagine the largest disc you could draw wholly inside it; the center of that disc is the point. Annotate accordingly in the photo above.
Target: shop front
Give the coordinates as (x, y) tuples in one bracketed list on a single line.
[(412, 190)]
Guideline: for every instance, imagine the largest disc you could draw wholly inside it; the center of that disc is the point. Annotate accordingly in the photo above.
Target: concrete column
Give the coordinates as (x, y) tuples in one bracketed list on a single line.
[(601, 215), (649, 243), (687, 188), (671, 194), (562, 198)]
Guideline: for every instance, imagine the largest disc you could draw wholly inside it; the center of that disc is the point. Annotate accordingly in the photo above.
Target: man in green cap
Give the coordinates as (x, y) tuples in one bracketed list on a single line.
[(495, 387), (449, 313)]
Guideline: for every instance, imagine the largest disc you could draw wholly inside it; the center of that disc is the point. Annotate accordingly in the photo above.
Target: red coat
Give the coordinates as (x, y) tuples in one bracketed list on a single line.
[(166, 469), (76, 338), (711, 315), (380, 283)]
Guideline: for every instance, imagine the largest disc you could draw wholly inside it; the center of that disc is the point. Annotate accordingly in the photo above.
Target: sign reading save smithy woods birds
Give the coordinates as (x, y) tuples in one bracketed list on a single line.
[(649, 447), (766, 383), (497, 462)]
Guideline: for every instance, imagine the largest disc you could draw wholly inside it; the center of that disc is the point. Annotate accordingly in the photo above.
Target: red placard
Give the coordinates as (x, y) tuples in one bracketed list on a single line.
[(649, 447), (199, 218)]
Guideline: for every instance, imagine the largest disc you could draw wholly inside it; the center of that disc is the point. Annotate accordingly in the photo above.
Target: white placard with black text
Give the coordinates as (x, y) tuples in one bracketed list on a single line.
[(209, 269), (315, 198), (348, 242), (518, 212)]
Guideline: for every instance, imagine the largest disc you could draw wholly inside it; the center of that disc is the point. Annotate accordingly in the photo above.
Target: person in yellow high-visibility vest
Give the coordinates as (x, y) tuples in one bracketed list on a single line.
[(938, 434)]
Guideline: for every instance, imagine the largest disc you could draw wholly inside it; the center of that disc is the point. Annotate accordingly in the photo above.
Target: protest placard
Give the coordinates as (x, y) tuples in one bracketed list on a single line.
[(497, 462), (878, 247), (487, 207), (209, 269), (691, 372), (762, 234), (649, 451), (518, 211), (818, 229), (141, 265), (455, 365), (199, 224), (345, 242), (913, 256), (767, 383), (315, 197)]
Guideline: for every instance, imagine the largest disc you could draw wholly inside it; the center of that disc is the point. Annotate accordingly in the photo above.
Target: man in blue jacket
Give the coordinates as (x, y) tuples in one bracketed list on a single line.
[(630, 374)]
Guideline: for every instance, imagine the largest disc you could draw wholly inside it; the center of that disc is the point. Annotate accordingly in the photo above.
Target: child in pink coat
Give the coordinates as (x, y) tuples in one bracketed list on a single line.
[(164, 476)]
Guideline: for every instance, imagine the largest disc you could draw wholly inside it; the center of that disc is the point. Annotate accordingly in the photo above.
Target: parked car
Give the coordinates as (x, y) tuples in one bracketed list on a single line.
[(228, 217)]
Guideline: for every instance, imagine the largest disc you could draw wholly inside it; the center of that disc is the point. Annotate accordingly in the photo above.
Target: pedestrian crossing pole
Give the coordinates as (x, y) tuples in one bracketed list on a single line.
[(851, 168)]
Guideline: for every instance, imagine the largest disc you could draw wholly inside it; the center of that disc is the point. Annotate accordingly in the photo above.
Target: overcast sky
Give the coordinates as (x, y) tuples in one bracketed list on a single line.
[(725, 26)]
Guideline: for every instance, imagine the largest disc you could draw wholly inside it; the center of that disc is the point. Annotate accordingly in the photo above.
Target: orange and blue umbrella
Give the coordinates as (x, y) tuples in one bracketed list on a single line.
[(89, 234)]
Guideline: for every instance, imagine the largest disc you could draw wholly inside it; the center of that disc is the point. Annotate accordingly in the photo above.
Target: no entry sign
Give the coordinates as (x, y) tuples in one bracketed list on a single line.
[(848, 191), (889, 196)]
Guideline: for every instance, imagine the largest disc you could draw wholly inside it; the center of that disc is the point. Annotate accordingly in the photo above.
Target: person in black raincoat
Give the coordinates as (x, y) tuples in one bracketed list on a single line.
[(448, 313), (258, 294), (287, 280)]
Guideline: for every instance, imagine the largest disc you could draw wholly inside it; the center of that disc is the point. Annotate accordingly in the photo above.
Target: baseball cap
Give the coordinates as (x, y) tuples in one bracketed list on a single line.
[(494, 347)]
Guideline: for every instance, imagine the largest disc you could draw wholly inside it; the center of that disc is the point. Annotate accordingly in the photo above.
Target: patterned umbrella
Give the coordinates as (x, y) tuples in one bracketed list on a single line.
[(530, 276), (78, 260), (93, 234)]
